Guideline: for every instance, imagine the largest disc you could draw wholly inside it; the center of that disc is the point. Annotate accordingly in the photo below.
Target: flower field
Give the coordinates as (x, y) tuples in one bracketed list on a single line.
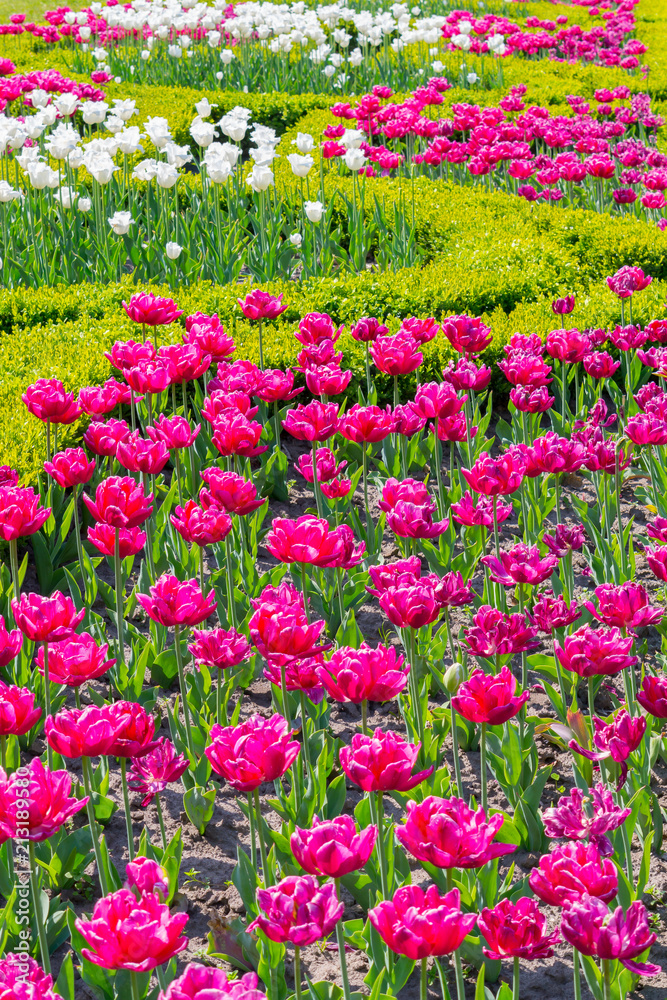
[(333, 530)]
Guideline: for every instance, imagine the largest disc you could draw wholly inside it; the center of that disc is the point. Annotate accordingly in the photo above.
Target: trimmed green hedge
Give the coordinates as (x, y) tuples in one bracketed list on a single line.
[(62, 333)]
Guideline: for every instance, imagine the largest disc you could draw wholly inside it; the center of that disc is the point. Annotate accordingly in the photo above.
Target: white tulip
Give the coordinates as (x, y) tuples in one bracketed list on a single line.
[(100, 166), (226, 55), (167, 175), (145, 55), (84, 204), (260, 178), (94, 112), (8, 193), (301, 165), (204, 107), (304, 142), (218, 169), (352, 138), (472, 78), (233, 127), (314, 210), (158, 132), (296, 239), (356, 57), (125, 109), (175, 51), (114, 124), (354, 159), (129, 140), (84, 32), (202, 132), (66, 196), (120, 222), (67, 104), (437, 66), (41, 175), (173, 251), (38, 98)]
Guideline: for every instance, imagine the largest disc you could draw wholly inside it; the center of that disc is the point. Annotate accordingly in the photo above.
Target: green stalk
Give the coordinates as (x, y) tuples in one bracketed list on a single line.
[(160, 816), (284, 695), (253, 832), (515, 979), (340, 939), (126, 804), (381, 851), (423, 982), (79, 544), (458, 967), (37, 909), (230, 583), (316, 483), (118, 573), (297, 973), (455, 751), (482, 765), (304, 732), (134, 982), (364, 717), (266, 873), (47, 700), (94, 826), (14, 562), (576, 974), (606, 977), (184, 690)]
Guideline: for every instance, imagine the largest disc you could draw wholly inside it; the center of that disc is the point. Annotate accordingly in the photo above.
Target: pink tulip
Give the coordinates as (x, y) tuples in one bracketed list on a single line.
[(201, 525), (70, 467), (617, 739), (437, 400), (75, 661), (550, 612), (333, 848), (18, 712), (413, 606), (230, 491), (367, 424), (103, 438), (151, 773), (145, 875), (653, 696), (592, 651), (313, 422), (174, 432), (142, 455), (36, 802), (494, 477), (21, 512), (570, 871), (489, 699), (522, 564), (364, 674), (173, 603), (48, 400), (120, 502), (256, 751), (87, 732), (135, 729), (10, 643), (470, 513), (130, 540), (449, 834), (407, 520), (397, 355), (298, 910), (205, 982), (300, 675), (43, 619), (497, 634), (219, 648), (467, 335), (188, 361), (21, 978), (261, 305), (418, 924), (152, 310), (129, 933), (586, 817), (625, 606), (382, 762), (516, 930), (590, 927), (234, 434)]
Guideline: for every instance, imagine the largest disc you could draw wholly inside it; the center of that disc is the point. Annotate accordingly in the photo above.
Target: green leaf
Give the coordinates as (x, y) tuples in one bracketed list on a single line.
[(199, 805)]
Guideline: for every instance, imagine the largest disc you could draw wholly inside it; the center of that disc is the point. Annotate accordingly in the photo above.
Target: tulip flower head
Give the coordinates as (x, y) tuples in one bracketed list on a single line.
[(364, 674), (586, 817), (496, 634), (173, 603), (22, 978), (624, 606), (21, 512), (333, 848), (201, 982), (18, 712), (152, 310), (449, 834), (419, 924), (70, 467), (255, 751), (10, 643), (382, 762), (572, 870), (129, 933), (516, 930), (490, 699), (593, 929), (522, 564), (592, 651), (75, 661), (151, 773), (145, 875), (298, 910), (46, 619), (44, 795)]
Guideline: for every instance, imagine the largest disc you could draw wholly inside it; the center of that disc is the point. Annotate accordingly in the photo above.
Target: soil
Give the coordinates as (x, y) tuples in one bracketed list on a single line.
[(208, 861)]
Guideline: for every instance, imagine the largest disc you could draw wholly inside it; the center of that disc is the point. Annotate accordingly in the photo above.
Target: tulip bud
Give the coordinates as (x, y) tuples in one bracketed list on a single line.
[(454, 676)]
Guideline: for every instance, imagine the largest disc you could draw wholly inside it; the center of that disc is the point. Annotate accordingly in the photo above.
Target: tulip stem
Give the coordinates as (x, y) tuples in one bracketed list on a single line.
[(47, 701), (576, 974), (177, 462), (94, 826), (184, 690), (364, 717), (304, 732), (37, 908), (591, 702), (261, 344), (230, 583), (437, 461), (340, 940), (627, 846), (621, 542), (134, 981), (284, 695), (160, 816), (368, 373), (253, 833), (482, 766), (14, 563), (458, 968), (423, 982), (515, 979), (297, 973), (262, 846), (220, 705), (496, 537), (381, 852), (126, 803), (364, 466), (276, 423), (77, 533), (455, 751), (316, 482), (606, 978), (118, 572)]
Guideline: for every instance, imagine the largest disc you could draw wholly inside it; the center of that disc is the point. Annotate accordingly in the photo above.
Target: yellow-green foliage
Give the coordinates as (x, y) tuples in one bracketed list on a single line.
[(62, 333)]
